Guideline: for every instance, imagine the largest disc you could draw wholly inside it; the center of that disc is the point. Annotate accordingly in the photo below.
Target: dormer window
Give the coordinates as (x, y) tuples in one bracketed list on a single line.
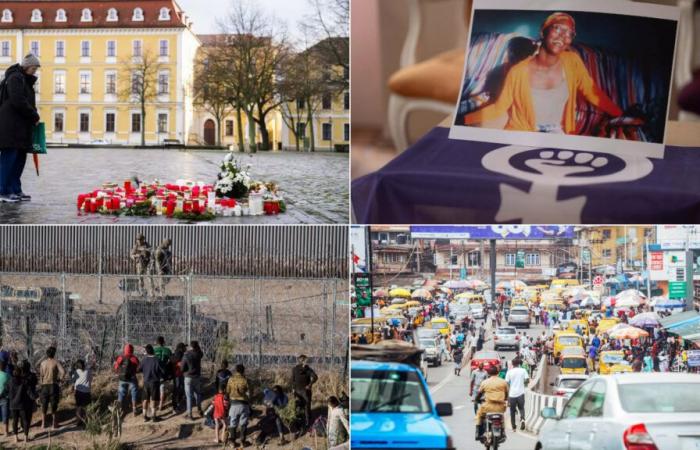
[(61, 15), (6, 15), (112, 15), (87, 15), (36, 15), (138, 15), (164, 14)]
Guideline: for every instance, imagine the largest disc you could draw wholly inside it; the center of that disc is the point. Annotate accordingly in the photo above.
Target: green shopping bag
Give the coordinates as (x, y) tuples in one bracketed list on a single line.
[(39, 138), (38, 143)]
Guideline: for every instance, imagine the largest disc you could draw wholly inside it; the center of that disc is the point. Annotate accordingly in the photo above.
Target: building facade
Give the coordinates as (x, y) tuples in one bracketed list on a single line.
[(330, 113), (84, 47), (619, 246)]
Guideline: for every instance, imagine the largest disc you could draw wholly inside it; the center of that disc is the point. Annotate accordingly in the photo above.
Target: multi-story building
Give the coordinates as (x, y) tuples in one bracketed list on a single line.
[(622, 246), (84, 47), (331, 117), (541, 258)]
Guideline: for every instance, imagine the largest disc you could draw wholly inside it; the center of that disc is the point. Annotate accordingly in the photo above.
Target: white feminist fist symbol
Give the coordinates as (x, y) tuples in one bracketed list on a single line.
[(554, 169)]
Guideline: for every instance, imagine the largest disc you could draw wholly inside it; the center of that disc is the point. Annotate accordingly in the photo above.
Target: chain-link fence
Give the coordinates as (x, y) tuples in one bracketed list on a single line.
[(255, 321)]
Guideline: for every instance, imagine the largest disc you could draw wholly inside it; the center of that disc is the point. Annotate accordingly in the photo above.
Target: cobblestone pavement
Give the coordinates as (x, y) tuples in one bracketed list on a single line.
[(315, 185)]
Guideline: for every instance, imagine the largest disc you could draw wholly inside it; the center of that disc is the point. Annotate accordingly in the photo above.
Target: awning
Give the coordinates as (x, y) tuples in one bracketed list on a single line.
[(685, 324)]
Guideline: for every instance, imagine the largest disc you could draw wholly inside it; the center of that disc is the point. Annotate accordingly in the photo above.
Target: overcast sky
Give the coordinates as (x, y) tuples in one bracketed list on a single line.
[(204, 14)]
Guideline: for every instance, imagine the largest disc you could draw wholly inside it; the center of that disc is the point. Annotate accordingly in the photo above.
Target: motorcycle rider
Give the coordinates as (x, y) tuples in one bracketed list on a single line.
[(494, 393)]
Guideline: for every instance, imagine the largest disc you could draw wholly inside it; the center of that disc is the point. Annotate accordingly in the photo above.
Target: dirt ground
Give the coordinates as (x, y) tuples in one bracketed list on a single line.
[(174, 431)]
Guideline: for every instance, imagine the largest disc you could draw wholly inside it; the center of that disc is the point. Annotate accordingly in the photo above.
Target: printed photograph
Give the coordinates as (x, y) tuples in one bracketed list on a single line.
[(170, 337), (563, 74)]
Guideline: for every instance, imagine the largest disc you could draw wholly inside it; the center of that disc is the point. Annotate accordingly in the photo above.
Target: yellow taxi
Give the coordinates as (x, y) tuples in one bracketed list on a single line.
[(518, 301), (441, 324), (553, 305), (469, 297), (579, 322), (610, 359), (573, 363), (620, 368), (563, 339), (605, 324)]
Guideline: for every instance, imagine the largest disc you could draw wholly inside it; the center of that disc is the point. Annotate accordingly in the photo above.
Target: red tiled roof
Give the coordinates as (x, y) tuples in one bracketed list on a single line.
[(22, 13)]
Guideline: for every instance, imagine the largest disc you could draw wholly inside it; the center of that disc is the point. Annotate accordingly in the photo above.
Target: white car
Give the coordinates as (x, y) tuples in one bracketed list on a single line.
[(631, 411), (565, 385), (477, 310)]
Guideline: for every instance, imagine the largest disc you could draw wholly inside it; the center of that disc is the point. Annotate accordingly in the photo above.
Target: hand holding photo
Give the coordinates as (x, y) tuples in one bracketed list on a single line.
[(558, 74)]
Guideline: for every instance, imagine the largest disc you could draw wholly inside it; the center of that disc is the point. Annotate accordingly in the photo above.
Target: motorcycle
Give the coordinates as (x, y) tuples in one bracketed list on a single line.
[(495, 433)]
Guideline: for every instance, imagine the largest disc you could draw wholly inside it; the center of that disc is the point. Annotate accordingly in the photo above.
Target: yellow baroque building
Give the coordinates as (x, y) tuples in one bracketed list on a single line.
[(83, 46)]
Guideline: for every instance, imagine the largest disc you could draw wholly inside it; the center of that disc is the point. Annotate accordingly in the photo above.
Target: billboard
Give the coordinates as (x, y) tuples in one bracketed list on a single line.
[(358, 249), (493, 232), (676, 237)]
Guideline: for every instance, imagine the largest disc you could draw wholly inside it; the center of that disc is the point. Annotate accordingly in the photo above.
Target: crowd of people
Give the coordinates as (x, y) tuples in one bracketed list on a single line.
[(161, 373)]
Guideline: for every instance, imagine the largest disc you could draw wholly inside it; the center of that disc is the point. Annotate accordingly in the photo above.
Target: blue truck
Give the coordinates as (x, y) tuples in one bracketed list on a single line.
[(391, 408)]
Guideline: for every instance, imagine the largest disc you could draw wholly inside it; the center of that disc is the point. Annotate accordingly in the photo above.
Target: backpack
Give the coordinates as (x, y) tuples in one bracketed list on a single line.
[(126, 369), (319, 427)]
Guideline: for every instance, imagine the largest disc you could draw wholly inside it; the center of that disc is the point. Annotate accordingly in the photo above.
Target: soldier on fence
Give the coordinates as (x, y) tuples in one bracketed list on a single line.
[(141, 256), (164, 264), (303, 379)]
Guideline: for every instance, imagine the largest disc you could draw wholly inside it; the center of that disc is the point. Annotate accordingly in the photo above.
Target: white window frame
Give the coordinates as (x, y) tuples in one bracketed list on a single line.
[(36, 16), (85, 96), (509, 259), (533, 259), (56, 55), (233, 128), (138, 15), (55, 112), (160, 48), (131, 122), (111, 95), (110, 111), (89, 114), (59, 96), (167, 122), (61, 15), (6, 58), (38, 48), (111, 59), (133, 48), (112, 15), (164, 93), (164, 14), (86, 15), (82, 47), (6, 16)]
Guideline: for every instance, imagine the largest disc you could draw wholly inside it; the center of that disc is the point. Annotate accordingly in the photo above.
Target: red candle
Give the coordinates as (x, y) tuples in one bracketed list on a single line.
[(127, 185), (187, 206), (93, 205), (195, 191), (115, 203), (170, 207), (81, 200)]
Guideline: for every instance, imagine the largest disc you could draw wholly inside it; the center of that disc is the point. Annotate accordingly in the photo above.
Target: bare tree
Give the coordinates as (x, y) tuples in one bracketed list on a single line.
[(255, 51), (209, 92), (140, 83), (330, 23)]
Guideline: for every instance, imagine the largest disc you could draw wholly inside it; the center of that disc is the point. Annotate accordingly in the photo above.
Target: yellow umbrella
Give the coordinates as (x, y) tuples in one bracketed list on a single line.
[(412, 304), (400, 292), (422, 293), (396, 306), (628, 333)]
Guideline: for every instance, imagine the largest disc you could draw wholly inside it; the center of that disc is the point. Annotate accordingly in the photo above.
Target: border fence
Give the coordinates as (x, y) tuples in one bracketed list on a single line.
[(257, 321), (291, 251)]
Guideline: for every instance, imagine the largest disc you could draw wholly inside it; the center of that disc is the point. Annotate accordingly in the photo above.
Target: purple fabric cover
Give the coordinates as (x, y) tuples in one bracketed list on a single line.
[(443, 181)]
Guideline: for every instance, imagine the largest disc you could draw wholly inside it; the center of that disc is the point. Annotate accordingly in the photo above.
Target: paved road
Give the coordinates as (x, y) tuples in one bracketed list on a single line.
[(315, 185), (446, 387)]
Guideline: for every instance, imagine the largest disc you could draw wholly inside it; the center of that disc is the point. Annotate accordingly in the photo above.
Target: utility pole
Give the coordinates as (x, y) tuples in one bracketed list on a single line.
[(492, 268), (368, 243)]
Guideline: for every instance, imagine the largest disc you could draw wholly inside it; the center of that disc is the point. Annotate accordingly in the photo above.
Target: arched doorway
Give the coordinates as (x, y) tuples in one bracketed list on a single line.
[(209, 132)]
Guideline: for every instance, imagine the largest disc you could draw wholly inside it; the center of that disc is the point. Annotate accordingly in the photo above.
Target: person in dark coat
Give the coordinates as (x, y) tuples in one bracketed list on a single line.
[(303, 378), (18, 115), (192, 371), (22, 396)]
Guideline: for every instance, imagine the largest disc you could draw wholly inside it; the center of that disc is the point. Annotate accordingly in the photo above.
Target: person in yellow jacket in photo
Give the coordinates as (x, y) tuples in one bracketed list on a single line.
[(540, 92)]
